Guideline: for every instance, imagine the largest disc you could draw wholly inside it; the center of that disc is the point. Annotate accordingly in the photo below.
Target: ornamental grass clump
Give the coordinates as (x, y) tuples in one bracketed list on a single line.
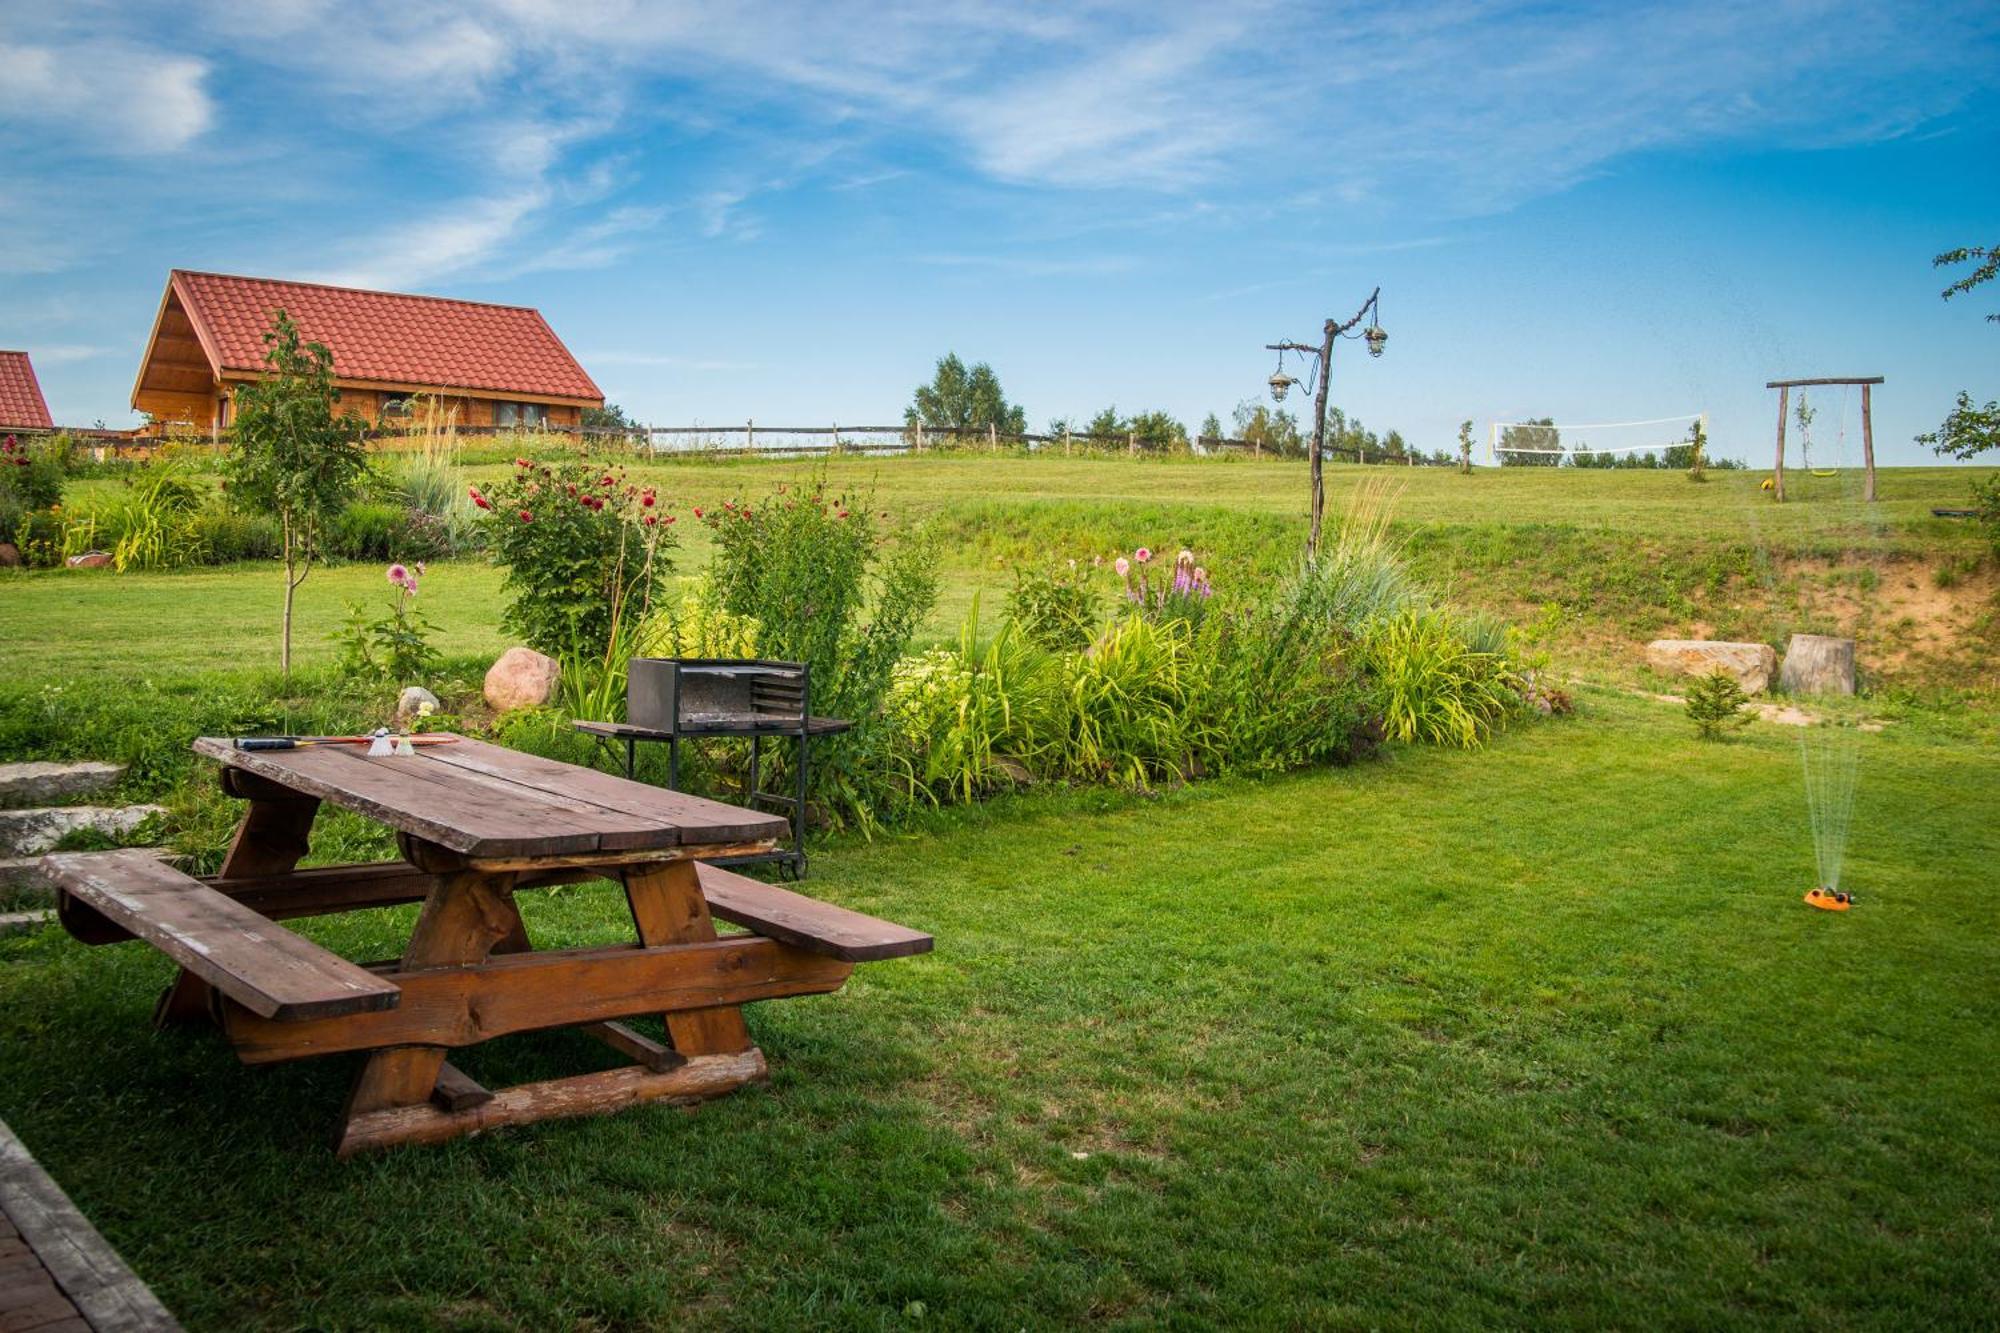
[(585, 551)]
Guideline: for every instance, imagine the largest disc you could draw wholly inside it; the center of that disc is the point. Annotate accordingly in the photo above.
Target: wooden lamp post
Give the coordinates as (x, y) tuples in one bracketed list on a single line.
[(1322, 369), (1785, 387)]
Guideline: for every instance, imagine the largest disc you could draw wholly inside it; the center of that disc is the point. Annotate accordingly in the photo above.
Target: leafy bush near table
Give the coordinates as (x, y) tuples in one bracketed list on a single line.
[(584, 552), (825, 587), (394, 647), (1054, 607)]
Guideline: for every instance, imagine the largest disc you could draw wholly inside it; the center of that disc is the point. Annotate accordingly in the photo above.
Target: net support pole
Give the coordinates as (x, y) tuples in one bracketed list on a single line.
[(1867, 446), (1778, 472)]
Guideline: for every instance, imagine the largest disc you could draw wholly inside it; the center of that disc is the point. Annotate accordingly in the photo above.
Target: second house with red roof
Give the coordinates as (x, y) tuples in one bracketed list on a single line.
[(481, 365)]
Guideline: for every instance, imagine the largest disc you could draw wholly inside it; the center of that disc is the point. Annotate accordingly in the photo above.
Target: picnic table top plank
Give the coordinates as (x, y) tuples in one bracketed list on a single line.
[(486, 801), (699, 819), (266, 968)]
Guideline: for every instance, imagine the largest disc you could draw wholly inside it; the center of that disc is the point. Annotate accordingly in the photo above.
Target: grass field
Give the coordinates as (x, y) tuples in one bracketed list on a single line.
[(1534, 1035), (1622, 556), (1538, 1034)]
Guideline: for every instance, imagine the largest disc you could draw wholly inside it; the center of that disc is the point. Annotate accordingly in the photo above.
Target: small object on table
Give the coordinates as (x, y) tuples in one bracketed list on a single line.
[(477, 824), (307, 742)]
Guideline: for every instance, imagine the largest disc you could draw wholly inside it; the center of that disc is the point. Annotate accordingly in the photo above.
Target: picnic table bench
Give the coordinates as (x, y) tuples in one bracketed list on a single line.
[(476, 824)]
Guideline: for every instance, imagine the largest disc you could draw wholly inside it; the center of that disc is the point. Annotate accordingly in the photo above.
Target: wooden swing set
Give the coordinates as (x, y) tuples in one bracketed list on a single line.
[(1785, 387)]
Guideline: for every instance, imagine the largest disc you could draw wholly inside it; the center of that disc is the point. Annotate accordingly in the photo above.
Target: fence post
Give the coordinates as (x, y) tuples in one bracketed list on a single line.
[(836, 437), (1065, 441), (750, 436), (992, 437), (1131, 443)]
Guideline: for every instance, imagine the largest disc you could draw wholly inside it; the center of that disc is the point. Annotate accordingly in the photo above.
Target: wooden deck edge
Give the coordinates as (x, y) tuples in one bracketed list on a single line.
[(108, 1294)]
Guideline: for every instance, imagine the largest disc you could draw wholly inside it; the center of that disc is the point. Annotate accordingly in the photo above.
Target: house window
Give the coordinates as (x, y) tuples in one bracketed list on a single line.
[(395, 407), (520, 414)]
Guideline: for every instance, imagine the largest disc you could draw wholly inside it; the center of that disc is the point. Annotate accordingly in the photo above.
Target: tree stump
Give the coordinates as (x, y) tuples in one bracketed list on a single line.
[(1817, 664)]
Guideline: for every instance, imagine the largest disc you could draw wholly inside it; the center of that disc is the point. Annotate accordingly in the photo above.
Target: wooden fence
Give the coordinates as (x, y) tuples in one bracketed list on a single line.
[(751, 439)]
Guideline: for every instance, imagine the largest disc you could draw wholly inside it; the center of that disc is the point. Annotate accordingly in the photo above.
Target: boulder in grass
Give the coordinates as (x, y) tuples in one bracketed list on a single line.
[(90, 560), (522, 678), (410, 704), (1818, 664), (10, 556), (1752, 665)]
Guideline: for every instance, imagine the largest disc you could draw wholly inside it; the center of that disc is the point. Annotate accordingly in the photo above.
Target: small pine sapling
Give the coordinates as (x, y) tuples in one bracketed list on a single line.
[(1715, 702)]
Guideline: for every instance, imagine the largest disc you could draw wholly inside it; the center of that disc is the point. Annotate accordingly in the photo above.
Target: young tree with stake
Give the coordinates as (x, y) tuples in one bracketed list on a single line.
[(293, 453)]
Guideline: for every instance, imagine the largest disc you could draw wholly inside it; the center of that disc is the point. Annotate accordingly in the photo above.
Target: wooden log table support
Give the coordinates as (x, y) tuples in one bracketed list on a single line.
[(476, 824)]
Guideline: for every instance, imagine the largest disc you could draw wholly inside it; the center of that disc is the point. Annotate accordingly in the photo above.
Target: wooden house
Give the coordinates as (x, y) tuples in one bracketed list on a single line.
[(481, 365), (21, 404)]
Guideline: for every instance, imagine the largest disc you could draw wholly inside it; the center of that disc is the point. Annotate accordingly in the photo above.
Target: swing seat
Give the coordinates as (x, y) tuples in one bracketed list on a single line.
[(1826, 472)]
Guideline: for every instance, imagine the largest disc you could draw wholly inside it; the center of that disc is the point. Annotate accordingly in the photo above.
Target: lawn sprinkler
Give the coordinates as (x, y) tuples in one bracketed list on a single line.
[(1828, 899)]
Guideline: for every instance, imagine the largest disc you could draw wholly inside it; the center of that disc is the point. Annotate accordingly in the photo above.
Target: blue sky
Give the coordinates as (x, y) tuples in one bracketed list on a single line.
[(1598, 212)]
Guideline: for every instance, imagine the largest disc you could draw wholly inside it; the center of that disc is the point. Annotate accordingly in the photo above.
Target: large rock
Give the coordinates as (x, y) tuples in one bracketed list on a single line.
[(1752, 664), (410, 703), (90, 560), (522, 678), (10, 556), (1818, 664)]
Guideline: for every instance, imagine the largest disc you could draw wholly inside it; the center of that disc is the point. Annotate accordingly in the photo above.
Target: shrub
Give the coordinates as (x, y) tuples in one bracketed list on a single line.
[(366, 530), (814, 574), (583, 551), (1273, 690), (1715, 703), (1055, 608), (224, 535), (31, 481), (1986, 501), (698, 626)]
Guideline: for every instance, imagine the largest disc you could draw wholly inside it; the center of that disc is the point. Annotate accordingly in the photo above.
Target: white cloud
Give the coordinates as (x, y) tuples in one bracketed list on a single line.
[(119, 98)]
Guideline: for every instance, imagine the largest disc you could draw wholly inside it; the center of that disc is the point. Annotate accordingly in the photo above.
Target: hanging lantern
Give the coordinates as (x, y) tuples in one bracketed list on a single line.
[(1378, 338), (1281, 384)]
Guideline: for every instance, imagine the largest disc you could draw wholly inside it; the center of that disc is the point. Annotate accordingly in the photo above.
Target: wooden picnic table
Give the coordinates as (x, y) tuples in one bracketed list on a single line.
[(476, 824)]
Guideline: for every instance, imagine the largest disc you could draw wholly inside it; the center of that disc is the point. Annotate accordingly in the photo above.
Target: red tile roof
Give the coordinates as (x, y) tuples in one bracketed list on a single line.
[(21, 402), (385, 336)]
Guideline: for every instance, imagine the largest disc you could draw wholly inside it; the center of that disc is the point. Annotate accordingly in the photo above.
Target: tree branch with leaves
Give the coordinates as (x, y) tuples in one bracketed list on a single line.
[(1970, 429)]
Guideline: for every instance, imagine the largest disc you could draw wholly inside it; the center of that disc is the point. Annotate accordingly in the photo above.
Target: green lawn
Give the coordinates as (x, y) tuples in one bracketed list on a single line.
[(1534, 1035)]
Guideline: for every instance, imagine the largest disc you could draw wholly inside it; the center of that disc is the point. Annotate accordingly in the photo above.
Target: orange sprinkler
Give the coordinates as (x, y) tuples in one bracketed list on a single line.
[(1828, 900)]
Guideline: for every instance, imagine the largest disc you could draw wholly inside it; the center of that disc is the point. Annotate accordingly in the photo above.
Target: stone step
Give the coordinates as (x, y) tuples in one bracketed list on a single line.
[(12, 922), (31, 832), (24, 886), (44, 783)]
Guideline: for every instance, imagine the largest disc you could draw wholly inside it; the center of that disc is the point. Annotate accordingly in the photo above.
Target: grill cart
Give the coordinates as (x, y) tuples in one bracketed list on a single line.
[(674, 699)]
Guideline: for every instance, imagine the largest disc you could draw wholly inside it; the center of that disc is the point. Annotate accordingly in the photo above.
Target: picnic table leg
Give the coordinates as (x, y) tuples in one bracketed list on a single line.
[(668, 908), (271, 840), (468, 916)]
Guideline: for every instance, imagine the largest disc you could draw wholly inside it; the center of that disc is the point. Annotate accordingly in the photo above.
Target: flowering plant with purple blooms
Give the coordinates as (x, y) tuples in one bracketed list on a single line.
[(394, 647), (1184, 597)]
